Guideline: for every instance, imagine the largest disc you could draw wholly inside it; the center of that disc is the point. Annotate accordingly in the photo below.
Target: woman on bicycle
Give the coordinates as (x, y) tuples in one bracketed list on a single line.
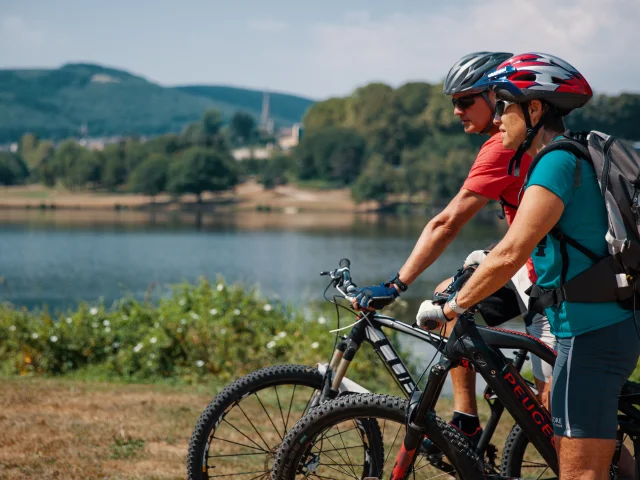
[(598, 346)]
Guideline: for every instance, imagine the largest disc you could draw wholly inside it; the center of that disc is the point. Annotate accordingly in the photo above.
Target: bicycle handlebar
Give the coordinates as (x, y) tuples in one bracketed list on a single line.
[(343, 281)]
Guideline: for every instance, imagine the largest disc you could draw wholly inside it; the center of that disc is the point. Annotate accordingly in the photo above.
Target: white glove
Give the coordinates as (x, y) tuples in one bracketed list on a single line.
[(475, 258), (431, 315)]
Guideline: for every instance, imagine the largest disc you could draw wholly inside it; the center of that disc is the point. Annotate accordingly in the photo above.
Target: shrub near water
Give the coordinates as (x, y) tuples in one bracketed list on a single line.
[(201, 331)]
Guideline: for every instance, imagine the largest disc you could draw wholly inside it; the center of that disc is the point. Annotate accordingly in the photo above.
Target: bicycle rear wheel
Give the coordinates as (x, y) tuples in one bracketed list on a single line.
[(332, 441)]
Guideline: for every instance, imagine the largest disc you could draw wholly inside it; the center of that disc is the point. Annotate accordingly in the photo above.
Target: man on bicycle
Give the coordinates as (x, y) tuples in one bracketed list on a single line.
[(487, 180)]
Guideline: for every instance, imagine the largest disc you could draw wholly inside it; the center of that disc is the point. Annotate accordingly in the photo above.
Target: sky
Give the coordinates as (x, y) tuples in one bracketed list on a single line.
[(318, 49)]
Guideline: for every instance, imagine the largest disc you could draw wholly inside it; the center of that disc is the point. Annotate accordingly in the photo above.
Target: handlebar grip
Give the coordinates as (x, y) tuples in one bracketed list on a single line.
[(345, 263)]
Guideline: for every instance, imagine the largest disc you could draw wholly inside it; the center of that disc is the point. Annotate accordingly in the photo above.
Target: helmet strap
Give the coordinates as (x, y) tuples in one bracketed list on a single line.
[(516, 160), (489, 125)]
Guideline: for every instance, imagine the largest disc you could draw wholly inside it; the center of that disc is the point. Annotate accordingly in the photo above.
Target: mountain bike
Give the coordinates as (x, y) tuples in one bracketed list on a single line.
[(228, 441), (328, 442)]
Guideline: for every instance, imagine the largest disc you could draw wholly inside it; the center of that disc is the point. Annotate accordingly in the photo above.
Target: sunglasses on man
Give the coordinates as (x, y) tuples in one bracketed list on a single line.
[(464, 102)]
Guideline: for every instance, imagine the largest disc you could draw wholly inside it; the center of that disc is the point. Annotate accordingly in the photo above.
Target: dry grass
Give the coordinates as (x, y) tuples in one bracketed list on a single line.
[(53, 429), (65, 429), (247, 196)]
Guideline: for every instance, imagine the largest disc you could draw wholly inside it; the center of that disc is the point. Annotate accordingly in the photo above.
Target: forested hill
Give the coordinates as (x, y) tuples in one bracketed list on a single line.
[(55, 103)]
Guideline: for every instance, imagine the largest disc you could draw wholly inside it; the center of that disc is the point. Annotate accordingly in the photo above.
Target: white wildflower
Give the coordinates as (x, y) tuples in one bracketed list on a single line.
[(106, 323), (282, 334), (315, 345), (93, 311), (138, 347), (53, 339), (68, 320), (271, 344), (183, 321), (179, 330), (223, 331), (115, 344), (322, 320), (94, 324), (195, 316), (267, 307), (153, 355), (34, 336), (213, 311), (182, 302), (200, 363), (12, 328), (237, 312), (220, 287), (107, 329), (153, 340)]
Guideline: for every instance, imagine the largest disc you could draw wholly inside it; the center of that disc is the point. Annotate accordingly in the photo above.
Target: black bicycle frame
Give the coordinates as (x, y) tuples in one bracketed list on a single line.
[(369, 329), (480, 346)]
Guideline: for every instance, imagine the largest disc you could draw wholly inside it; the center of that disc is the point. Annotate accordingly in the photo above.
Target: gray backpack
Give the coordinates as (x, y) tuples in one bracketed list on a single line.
[(611, 278)]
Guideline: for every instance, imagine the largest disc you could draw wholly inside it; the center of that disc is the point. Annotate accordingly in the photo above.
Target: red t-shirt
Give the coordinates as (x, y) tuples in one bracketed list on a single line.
[(488, 177)]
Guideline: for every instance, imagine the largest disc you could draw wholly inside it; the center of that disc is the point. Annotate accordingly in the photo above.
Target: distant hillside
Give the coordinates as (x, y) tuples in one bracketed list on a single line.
[(55, 103)]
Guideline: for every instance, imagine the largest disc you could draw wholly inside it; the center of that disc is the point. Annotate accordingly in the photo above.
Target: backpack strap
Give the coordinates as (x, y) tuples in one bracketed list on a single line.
[(505, 203), (573, 143)]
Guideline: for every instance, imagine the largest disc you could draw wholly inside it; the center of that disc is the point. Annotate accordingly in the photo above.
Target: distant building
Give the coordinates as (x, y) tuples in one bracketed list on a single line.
[(258, 153), (290, 137)]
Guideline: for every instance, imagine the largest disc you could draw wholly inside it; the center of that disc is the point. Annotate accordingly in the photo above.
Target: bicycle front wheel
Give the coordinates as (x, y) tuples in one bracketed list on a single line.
[(238, 434), (335, 440)]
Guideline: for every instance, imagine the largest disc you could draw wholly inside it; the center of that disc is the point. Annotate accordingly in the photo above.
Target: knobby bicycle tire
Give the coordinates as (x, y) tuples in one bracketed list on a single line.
[(213, 415), (298, 441)]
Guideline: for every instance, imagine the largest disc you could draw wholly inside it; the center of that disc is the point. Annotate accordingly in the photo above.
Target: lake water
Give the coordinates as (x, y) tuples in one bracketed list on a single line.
[(61, 258)]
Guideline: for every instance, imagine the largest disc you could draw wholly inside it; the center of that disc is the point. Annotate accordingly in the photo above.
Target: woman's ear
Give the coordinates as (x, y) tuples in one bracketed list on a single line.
[(535, 111)]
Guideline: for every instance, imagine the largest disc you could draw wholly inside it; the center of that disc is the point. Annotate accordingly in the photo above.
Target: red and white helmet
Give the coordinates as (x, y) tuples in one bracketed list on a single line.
[(531, 76)]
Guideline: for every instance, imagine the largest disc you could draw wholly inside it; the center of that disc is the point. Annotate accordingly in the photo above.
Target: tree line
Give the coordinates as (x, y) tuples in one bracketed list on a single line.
[(378, 142), (195, 161), (382, 141)]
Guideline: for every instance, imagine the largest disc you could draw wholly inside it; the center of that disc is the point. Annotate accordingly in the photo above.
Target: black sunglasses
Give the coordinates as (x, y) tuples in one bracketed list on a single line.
[(502, 105), (464, 102)]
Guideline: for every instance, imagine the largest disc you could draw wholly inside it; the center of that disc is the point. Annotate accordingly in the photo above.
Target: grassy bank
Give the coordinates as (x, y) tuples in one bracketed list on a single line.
[(202, 333)]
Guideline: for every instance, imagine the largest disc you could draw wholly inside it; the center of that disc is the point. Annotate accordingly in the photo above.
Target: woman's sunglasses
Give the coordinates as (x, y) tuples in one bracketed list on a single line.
[(502, 105), (464, 102)]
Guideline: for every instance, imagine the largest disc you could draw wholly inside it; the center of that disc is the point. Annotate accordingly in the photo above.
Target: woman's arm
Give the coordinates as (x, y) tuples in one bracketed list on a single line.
[(538, 213)]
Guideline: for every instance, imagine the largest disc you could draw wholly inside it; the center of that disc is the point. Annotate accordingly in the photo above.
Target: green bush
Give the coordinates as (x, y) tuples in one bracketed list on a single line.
[(200, 332)]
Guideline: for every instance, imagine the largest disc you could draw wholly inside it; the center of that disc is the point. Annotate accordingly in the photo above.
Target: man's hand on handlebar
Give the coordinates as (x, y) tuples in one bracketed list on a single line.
[(375, 297)]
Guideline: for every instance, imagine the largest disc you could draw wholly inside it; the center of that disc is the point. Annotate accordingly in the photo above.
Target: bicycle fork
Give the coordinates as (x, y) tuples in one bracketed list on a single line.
[(420, 415)]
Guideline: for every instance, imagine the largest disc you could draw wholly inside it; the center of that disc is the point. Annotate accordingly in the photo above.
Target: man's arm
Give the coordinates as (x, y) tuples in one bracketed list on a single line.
[(440, 231), (539, 211)]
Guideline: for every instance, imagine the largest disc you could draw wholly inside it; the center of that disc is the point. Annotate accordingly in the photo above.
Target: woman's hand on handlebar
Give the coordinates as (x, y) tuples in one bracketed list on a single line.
[(374, 297)]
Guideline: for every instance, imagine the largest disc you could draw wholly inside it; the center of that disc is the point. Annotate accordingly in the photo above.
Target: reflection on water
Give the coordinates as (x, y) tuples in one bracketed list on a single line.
[(60, 258)]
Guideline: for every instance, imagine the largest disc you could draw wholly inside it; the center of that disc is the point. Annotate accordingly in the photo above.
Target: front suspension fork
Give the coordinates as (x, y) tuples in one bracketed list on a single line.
[(417, 417)]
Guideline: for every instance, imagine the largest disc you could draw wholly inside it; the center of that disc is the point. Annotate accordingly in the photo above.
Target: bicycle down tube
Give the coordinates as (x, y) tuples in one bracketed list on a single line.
[(480, 345)]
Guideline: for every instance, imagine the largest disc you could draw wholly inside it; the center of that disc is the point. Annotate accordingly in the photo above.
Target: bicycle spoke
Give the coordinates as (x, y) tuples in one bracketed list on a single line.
[(254, 427), (268, 416), (394, 442), (540, 476), (232, 474), (241, 444), (345, 447), (338, 452), (238, 455), (245, 436), (280, 408), (290, 404)]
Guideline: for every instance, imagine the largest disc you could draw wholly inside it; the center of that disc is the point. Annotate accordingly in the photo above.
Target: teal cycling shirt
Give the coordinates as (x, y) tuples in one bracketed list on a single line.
[(585, 220)]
